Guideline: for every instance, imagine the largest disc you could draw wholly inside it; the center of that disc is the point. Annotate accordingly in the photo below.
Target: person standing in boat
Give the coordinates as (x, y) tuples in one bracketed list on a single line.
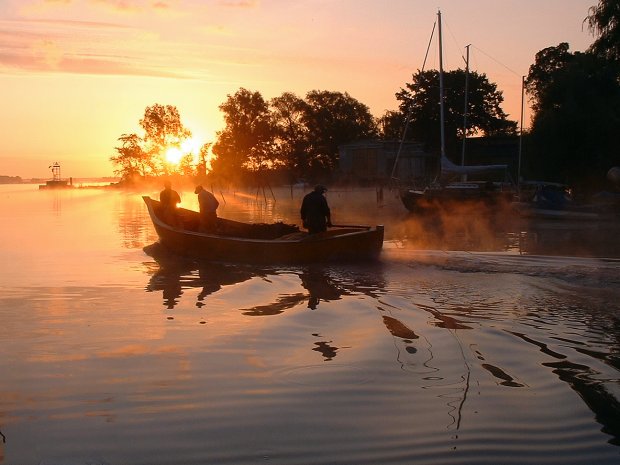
[(170, 199), (315, 213), (208, 209)]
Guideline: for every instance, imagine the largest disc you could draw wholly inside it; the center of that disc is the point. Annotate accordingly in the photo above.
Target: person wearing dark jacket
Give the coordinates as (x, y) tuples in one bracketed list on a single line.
[(315, 213), (208, 209), (170, 199)]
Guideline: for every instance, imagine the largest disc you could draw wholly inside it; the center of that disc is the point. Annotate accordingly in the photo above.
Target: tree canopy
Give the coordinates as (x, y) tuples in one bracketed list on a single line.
[(300, 136), (332, 119), (604, 22), (146, 156), (576, 103), (162, 130), (131, 160), (247, 140), (420, 100), (575, 99), (291, 134)]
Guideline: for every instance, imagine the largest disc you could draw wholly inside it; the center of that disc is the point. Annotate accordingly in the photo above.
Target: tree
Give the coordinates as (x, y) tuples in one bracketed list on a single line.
[(145, 156), (542, 80), (332, 119), (203, 160), (420, 100), (288, 113), (131, 160), (576, 102), (392, 125), (247, 140), (604, 22), (163, 129)]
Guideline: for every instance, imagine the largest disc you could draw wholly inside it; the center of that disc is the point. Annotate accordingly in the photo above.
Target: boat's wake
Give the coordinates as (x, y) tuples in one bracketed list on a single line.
[(588, 271)]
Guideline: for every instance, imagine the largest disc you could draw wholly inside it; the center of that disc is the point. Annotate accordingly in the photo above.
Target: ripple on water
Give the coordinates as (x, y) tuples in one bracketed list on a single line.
[(327, 374)]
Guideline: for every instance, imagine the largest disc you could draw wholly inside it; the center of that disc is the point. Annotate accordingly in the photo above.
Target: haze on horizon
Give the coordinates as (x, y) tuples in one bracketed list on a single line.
[(77, 74)]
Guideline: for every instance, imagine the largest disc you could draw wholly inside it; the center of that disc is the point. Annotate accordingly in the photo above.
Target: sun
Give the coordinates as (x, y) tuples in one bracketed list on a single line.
[(174, 155), (189, 146)]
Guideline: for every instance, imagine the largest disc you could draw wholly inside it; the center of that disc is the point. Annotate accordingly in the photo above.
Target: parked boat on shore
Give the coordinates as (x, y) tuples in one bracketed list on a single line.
[(554, 201), (495, 189)]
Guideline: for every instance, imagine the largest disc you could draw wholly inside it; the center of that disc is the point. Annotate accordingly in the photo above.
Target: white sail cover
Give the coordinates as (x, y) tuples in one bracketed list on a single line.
[(447, 167)]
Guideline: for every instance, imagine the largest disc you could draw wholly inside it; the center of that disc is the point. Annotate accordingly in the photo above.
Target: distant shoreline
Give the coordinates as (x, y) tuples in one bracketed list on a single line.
[(75, 181)]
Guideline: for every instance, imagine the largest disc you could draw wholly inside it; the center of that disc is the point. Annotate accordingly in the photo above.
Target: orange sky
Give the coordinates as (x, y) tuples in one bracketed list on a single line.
[(77, 74)]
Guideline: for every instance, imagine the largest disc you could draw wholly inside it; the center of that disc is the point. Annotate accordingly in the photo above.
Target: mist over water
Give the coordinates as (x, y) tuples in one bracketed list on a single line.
[(476, 338)]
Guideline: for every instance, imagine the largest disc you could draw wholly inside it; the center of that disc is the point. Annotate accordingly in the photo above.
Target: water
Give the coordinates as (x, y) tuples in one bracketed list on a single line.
[(481, 342)]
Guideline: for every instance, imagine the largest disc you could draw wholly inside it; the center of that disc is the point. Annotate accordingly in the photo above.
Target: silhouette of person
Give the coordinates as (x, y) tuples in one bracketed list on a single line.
[(315, 212), (208, 209), (169, 199)]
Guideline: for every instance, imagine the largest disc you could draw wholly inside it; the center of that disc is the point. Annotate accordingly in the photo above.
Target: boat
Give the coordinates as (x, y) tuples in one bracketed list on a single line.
[(239, 242), (554, 201), (56, 182), (444, 193), (438, 196)]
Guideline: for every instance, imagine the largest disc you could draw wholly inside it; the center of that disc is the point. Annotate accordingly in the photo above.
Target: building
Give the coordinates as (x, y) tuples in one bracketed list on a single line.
[(373, 161)]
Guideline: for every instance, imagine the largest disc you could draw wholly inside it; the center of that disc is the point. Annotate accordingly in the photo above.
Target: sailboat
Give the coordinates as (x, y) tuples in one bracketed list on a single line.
[(440, 193)]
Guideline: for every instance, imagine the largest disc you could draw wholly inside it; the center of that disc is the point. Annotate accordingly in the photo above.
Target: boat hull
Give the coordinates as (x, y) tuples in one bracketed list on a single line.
[(433, 200), (338, 244), (527, 210)]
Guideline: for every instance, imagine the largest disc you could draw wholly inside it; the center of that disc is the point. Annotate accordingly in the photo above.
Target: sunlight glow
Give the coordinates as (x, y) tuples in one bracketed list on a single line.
[(189, 146), (174, 155)]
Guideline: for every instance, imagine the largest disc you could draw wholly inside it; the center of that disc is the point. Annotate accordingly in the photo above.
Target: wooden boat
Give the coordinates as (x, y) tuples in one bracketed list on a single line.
[(264, 243)]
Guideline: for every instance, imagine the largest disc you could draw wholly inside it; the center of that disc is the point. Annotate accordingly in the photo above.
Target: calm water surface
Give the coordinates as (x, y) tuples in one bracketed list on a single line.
[(473, 340)]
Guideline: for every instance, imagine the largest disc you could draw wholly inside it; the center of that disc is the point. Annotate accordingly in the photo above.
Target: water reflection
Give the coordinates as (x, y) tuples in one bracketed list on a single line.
[(603, 403), (565, 238), (173, 274), (504, 232), (587, 382), (416, 312), (325, 348), (134, 224), (319, 286)]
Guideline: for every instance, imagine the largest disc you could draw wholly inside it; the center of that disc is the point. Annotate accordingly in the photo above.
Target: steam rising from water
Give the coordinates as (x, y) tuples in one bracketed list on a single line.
[(460, 226)]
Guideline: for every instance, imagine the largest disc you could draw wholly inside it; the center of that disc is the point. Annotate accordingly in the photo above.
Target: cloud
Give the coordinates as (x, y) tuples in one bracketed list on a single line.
[(133, 6), (79, 47), (239, 3)]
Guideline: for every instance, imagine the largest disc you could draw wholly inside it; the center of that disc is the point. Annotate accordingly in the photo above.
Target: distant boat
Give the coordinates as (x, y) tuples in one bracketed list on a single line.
[(56, 182), (553, 201), (440, 194), (264, 243)]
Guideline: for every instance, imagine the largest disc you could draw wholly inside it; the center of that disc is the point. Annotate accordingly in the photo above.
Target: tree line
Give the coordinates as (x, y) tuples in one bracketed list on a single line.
[(296, 137), (299, 137), (575, 132), (575, 98)]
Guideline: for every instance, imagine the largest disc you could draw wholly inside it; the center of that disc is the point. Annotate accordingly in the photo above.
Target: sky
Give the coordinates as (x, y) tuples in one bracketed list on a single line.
[(75, 75)]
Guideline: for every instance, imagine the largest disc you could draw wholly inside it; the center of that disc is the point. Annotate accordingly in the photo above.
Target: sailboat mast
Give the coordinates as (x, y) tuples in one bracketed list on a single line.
[(441, 99), (466, 105), (521, 133)]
